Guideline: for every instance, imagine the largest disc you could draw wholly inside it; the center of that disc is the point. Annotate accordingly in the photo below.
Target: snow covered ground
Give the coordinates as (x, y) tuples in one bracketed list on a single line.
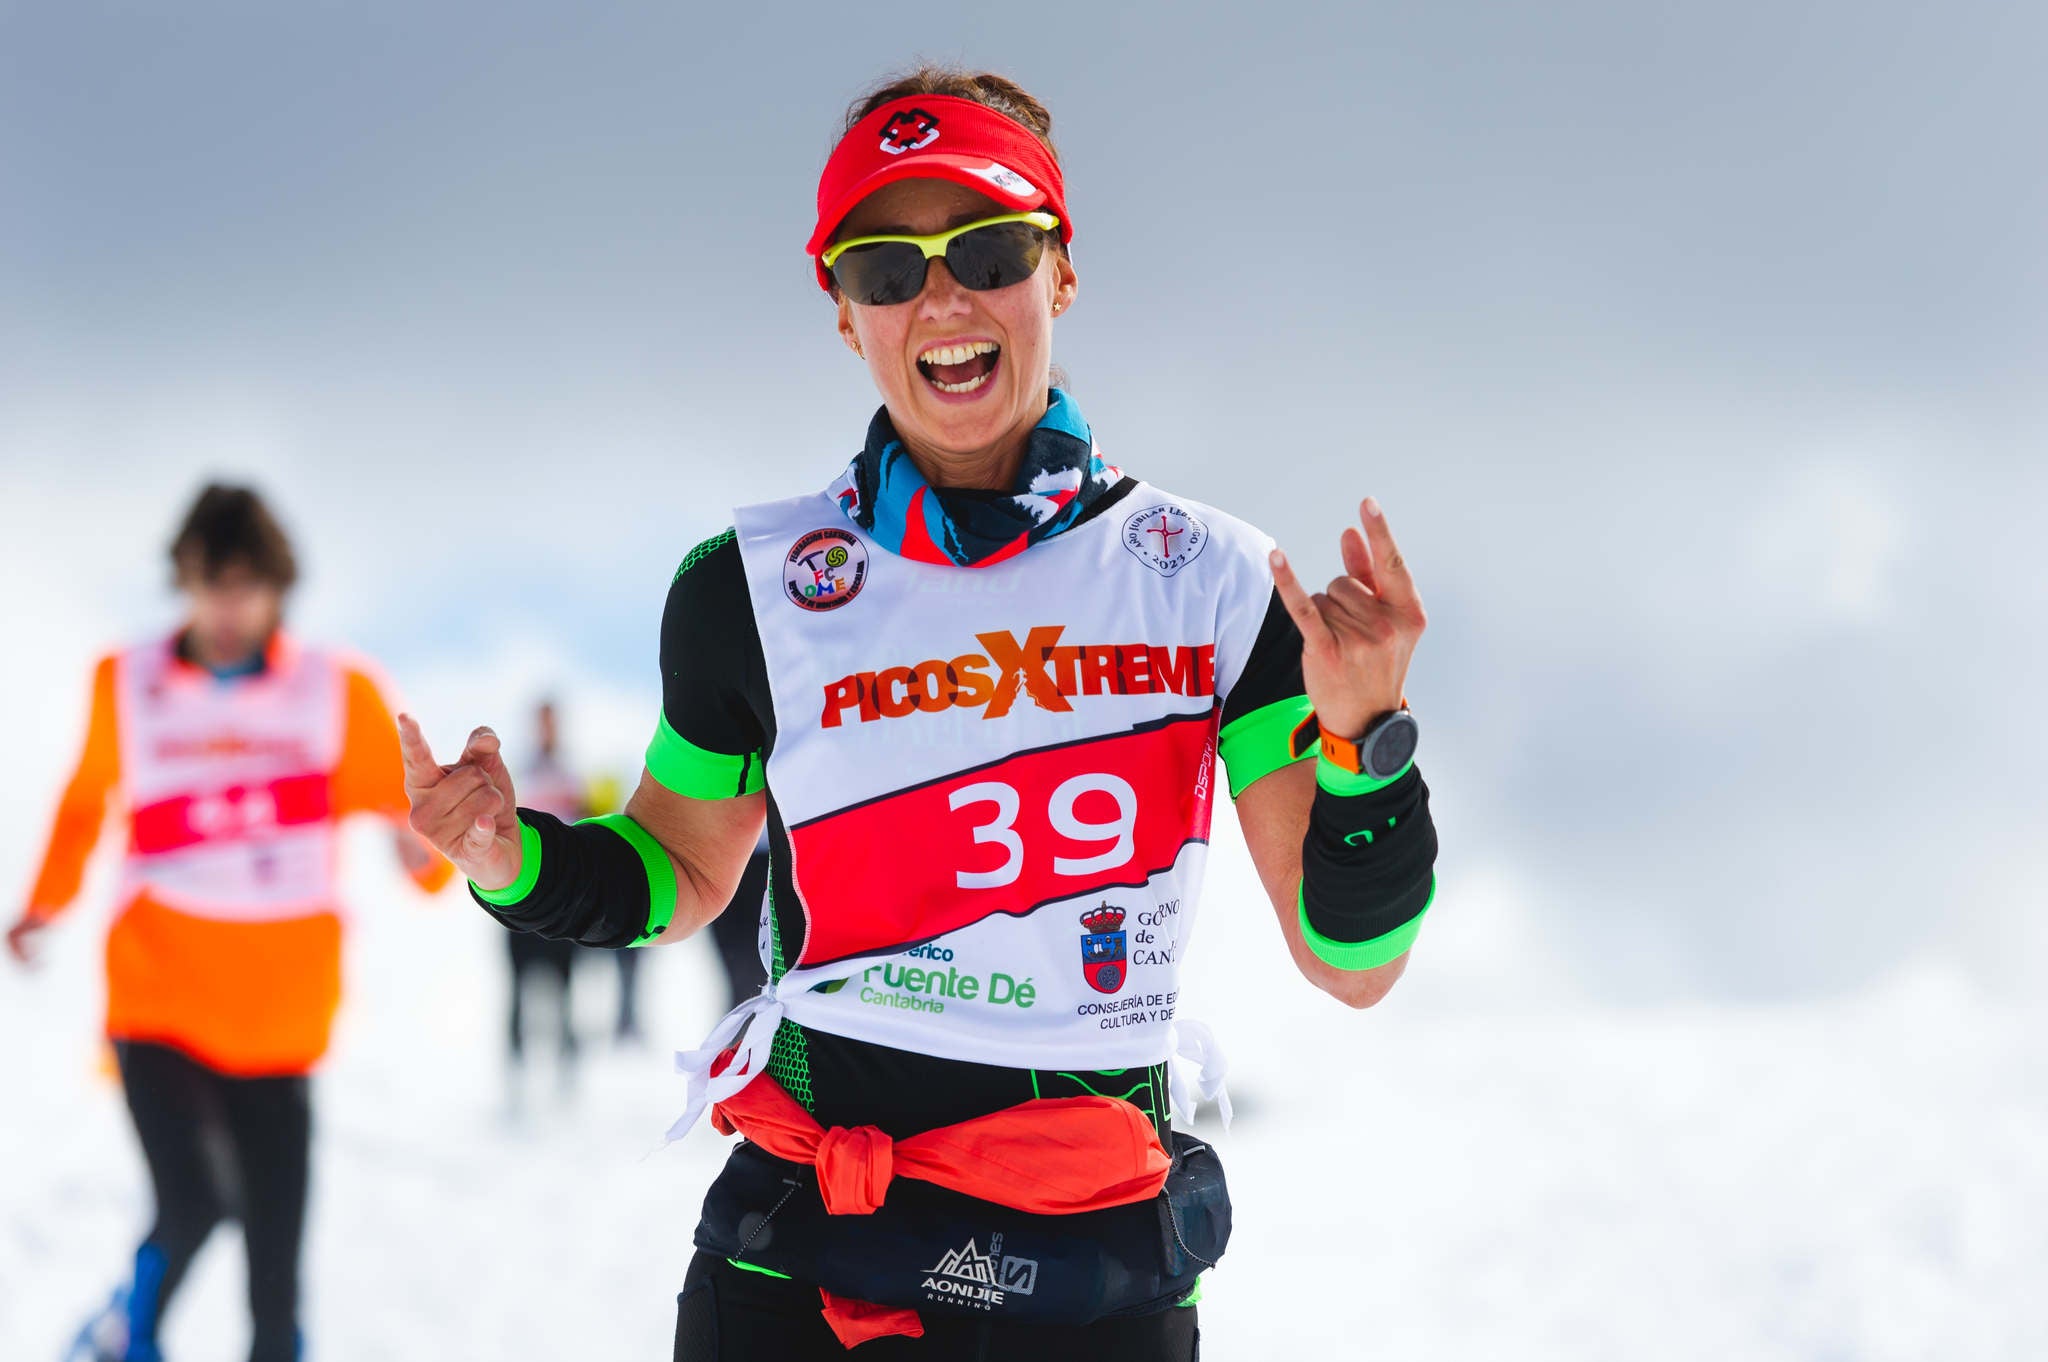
[(1486, 1166)]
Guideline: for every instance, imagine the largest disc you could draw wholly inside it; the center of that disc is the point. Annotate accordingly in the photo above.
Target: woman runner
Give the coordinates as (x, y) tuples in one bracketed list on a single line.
[(976, 687)]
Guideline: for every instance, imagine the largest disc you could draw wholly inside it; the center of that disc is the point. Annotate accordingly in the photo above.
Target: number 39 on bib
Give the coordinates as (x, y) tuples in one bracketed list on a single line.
[(1038, 827)]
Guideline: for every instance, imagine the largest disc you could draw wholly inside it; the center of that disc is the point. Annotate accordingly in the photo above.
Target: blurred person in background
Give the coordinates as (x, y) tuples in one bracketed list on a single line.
[(605, 797), (549, 784), (977, 686), (232, 752), (738, 931)]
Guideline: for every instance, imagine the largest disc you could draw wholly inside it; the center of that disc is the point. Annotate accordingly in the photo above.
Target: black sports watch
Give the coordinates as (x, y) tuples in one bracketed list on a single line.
[(1387, 745)]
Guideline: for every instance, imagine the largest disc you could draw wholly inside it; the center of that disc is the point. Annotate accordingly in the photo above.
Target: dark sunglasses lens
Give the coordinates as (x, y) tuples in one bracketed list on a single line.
[(996, 256), (880, 274)]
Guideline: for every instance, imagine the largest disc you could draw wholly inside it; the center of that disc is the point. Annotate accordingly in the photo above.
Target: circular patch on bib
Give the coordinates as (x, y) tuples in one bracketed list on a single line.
[(1165, 537), (825, 569)]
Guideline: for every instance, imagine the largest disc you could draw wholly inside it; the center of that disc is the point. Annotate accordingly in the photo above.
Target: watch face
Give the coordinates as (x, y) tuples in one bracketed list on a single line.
[(1392, 746)]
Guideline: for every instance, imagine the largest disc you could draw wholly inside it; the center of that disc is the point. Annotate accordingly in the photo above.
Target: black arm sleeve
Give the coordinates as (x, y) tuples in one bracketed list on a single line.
[(1368, 863), (591, 887)]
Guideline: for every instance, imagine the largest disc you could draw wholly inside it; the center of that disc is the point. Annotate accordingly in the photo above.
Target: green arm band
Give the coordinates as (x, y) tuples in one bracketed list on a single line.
[(1359, 955), (1257, 744), (1339, 781), (661, 872), (687, 769), (529, 872)]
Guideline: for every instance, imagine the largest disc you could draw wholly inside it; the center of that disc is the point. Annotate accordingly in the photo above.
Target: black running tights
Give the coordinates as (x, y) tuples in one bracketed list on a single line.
[(222, 1147)]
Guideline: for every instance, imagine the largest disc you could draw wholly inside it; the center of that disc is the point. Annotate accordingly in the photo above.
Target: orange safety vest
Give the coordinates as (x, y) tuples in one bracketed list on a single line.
[(228, 941)]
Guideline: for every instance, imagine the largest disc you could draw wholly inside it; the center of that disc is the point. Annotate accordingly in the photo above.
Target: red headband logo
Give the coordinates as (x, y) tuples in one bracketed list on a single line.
[(909, 130)]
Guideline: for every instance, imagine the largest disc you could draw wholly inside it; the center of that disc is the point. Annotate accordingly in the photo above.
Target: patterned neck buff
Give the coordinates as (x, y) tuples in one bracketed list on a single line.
[(882, 492)]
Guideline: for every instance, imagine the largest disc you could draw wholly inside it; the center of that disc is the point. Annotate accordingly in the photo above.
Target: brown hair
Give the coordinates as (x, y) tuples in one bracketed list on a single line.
[(229, 526), (985, 88)]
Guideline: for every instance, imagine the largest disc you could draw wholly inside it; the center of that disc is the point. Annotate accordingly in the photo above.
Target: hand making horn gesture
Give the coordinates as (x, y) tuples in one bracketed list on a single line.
[(467, 811), (1358, 634)]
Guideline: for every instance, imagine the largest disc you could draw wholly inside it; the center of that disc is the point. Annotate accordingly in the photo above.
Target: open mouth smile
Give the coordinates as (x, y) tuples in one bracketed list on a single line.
[(960, 368)]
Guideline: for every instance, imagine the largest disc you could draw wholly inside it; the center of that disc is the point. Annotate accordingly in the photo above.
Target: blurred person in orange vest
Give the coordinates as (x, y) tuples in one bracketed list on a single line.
[(554, 788), (232, 752)]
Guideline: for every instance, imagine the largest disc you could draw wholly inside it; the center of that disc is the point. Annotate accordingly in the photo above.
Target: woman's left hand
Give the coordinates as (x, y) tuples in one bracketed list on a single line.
[(1358, 634)]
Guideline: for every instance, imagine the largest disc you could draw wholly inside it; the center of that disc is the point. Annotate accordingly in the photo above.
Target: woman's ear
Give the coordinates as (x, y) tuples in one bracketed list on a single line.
[(1065, 283), (846, 331)]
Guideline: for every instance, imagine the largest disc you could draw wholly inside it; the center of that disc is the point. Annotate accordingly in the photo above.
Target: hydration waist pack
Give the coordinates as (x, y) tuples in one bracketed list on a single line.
[(931, 1249)]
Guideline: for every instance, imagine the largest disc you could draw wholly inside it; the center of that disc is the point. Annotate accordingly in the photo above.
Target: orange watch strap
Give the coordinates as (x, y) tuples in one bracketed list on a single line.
[(1342, 752)]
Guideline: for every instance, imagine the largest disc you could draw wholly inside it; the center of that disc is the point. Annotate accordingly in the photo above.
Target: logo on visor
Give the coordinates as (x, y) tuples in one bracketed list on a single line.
[(825, 569), (1004, 178), (1102, 948), (909, 130)]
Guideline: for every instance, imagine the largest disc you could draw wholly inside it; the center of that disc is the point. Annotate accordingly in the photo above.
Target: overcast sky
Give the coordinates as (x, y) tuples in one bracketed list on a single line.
[(1695, 351)]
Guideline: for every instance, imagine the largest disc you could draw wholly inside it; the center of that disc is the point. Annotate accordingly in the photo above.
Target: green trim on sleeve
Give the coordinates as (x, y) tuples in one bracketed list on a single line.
[(684, 768), (529, 872), (704, 550), (1339, 781), (1362, 955), (1258, 744), (661, 872)]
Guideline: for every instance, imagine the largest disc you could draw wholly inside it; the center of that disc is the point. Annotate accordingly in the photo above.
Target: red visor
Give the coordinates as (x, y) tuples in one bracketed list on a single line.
[(939, 137)]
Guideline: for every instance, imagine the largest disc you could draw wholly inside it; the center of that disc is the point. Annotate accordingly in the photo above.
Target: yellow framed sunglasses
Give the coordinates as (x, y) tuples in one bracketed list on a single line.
[(877, 271)]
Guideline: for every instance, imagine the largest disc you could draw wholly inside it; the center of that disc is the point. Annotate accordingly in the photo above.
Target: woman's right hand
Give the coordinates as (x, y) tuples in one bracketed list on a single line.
[(466, 811)]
